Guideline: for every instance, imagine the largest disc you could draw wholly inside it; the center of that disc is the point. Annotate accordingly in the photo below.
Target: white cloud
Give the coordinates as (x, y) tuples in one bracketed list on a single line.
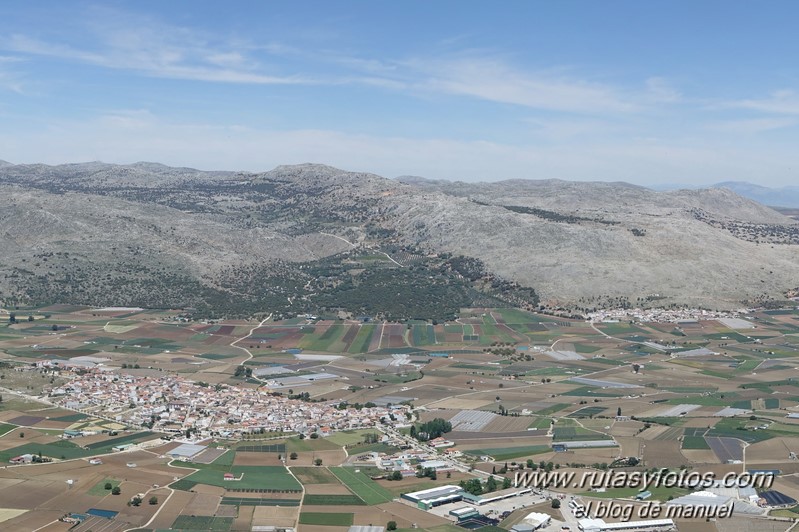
[(10, 80), (493, 80), (779, 102), (159, 51), (660, 90), (752, 126)]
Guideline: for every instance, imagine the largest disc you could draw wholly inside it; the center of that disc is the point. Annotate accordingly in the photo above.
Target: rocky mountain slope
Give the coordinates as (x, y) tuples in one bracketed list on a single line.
[(787, 197), (300, 237)]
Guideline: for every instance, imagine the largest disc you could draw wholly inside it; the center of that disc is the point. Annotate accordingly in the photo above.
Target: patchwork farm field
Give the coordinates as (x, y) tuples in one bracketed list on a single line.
[(512, 382)]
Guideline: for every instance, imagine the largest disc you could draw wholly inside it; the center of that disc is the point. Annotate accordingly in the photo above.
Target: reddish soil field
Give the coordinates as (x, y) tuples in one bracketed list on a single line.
[(349, 336), (256, 459)]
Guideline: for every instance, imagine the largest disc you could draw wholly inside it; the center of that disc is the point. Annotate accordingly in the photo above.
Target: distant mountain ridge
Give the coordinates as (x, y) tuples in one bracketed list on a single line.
[(300, 237), (774, 197)]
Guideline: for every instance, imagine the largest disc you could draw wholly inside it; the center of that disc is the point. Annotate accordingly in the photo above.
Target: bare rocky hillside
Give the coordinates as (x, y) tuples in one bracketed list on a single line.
[(300, 237)]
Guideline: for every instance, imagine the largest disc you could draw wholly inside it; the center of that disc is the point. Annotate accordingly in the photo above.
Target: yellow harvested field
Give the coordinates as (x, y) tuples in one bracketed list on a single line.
[(278, 516), (10, 513), (462, 404), (701, 456), (119, 329)]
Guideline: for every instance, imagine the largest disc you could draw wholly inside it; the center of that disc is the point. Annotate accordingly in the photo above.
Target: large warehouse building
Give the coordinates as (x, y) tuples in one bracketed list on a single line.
[(429, 498)]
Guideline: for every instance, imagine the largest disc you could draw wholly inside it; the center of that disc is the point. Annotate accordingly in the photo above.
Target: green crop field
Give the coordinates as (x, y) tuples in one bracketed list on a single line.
[(688, 389), (328, 341), (70, 418), (263, 448), (216, 356), (540, 423), (375, 448), (326, 518), (586, 348), (201, 522), (509, 453), (552, 409), (707, 400), (595, 391), (423, 334), (106, 445), (393, 378), (735, 428), (363, 486), (588, 411), (694, 442), (514, 315), (99, 490), (771, 403), (362, 340), (310, 444), (6, 427), (615, 329), (57, 449), (576, 434), (332, 500), (747, 366), (492, 332), (349, 437), (258, 478), (259, 501)]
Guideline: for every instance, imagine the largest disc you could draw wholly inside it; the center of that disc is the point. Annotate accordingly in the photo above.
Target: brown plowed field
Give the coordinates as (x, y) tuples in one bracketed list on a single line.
[(659, 453)]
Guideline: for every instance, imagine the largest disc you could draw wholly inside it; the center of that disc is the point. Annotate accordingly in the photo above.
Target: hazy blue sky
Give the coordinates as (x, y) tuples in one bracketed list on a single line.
[(647, 92)]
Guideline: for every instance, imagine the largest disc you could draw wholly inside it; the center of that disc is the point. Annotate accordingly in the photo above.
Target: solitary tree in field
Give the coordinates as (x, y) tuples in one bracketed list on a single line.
[(153, 500), (109, 486), (116, 491)]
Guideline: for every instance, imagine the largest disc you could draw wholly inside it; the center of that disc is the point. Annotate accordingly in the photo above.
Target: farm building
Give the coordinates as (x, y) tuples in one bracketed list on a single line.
[(495, 495), (598, 525), (187, 450), (439, 443), (123, 447), (432, 497), (438, 465), (582, 444), (533, 521), (464, 512)]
